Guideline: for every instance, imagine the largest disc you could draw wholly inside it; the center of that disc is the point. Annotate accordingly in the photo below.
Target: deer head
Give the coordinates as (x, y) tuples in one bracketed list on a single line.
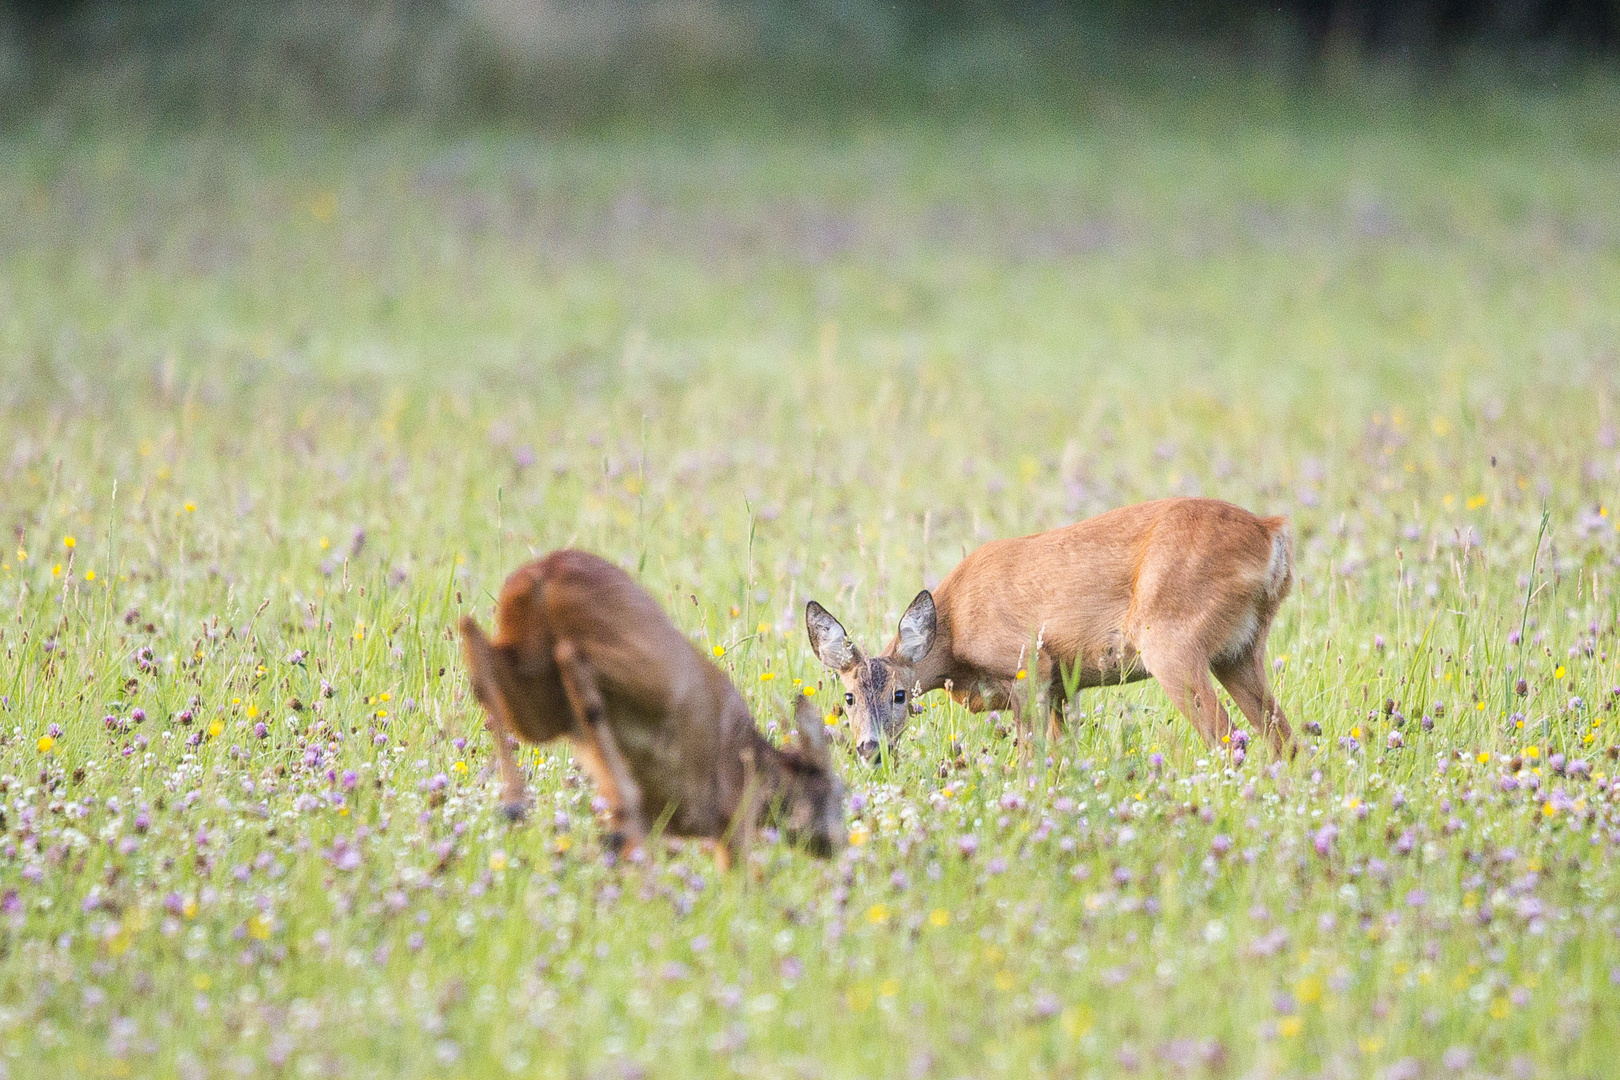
[(878, 690)]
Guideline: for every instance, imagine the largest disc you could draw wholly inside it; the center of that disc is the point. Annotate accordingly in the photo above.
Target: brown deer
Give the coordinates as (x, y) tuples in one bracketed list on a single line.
[(1173, 589), (581, 651)]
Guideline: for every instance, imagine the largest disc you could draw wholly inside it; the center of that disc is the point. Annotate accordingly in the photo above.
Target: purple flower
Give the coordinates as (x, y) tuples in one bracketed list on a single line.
[(54, 731), (1395, 741), (1323, 840), (350, 778), (967, 844), (138, 715), (459, 743), (1416, 898), (261, 730)]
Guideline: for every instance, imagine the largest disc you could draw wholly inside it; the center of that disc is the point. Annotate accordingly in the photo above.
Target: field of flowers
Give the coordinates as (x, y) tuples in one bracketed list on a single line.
[(276, 409)]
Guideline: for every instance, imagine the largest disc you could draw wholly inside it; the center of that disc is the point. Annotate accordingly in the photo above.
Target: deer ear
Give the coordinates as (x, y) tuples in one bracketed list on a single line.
[(827, 638), (812, 730), (917, 627)]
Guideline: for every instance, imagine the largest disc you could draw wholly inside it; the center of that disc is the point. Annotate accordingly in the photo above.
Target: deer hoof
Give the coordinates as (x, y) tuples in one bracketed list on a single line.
[(514, 811)]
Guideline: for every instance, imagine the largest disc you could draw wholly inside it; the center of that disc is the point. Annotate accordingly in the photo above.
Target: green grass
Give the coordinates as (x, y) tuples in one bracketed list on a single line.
[(756, 366)]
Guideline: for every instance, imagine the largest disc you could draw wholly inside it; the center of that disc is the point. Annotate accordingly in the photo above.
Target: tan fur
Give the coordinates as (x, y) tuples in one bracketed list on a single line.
[(582, 652), (1173, 589)]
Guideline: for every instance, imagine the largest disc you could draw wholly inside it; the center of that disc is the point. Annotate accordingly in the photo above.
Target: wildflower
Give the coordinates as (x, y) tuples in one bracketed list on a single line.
[(967, 844), (858, 834), (69, 543), (809, 691), (766, 676), (497, 860), (877, 914), (1559, 672), (45, 744), (719, 651), (941, 917)]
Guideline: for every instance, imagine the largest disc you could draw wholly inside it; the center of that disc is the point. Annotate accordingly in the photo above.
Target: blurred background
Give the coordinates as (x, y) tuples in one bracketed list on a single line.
[(573, 62)]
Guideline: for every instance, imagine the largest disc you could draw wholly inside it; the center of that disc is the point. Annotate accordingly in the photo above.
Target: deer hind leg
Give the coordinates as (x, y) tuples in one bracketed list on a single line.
[(481, 662), (1245, 679), (1185, 677), (602, 756)]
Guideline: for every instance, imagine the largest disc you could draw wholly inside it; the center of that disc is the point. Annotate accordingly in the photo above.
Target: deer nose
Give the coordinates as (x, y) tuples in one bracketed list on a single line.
[(867, 749)]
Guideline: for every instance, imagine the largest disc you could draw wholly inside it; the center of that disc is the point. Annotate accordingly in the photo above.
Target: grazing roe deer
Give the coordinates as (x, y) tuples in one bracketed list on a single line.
[(582, 651), (1172, 589)]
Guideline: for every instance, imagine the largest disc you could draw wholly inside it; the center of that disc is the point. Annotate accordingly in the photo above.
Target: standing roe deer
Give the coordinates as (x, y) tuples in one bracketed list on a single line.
[(580, 650), (1172, 589)]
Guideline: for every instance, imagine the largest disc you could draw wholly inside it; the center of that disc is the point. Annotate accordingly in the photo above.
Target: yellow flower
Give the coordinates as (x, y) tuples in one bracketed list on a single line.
[(939, 917), (325, 543), (1476, 502), (189, 910), (1289, 1026), (385, 696), (764, 629), (56, 571), (1022, 674), (459, 767), (1309, 989), (1559, 672), (45, 743), (497, 860), (1005, 980), (809, 691), (258, 927), (252, 711), (1548, 809), (563, 844), (69, 542), (190, 506), (1532, 752), (1484, 756), (877, 914), (766, 676), (890, 987), (216, 727), (858, 834), (89, 575), (718, 650), (200, 980)]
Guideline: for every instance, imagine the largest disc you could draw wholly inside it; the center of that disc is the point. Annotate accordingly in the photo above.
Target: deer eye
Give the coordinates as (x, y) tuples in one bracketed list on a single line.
[(899, 697), (849, 699)]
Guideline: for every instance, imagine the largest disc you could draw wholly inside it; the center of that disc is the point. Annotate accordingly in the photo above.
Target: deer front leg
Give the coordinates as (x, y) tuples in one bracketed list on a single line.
[(603, 758), (481, 662)]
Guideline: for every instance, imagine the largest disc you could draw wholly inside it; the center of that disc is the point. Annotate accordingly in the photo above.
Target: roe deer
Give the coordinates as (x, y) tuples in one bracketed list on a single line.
[(1172, 589), (580, 650)]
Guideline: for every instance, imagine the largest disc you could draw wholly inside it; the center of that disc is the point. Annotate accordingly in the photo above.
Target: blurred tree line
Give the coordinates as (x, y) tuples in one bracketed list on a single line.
[(579, 60)]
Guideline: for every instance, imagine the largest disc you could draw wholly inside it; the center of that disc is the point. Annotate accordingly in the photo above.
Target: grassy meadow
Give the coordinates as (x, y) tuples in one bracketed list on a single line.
[(277, 407)]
